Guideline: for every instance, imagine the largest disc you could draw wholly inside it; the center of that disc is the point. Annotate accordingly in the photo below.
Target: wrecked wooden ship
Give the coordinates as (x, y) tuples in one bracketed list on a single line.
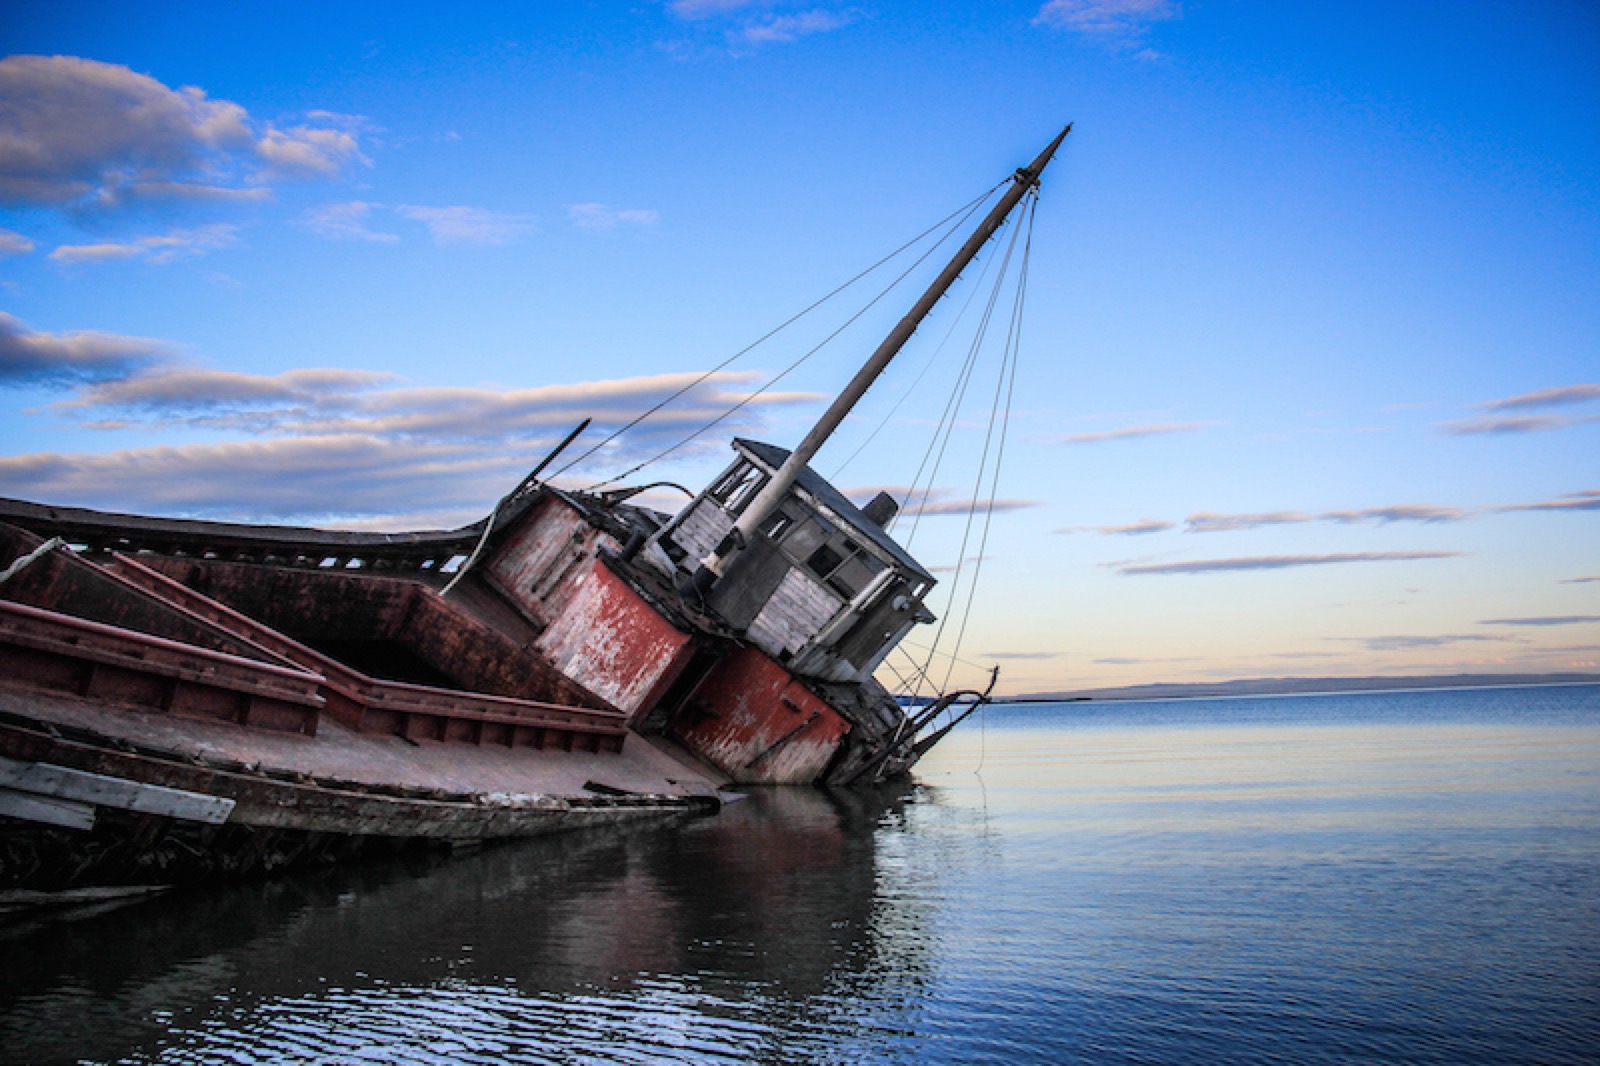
[(183, 699)]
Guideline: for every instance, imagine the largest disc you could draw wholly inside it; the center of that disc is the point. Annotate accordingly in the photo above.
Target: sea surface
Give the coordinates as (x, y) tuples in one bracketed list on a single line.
[(1400, 877)]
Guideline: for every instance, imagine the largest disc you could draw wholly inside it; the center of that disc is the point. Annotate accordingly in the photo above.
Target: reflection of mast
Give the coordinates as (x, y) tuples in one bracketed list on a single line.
[(768, 499)]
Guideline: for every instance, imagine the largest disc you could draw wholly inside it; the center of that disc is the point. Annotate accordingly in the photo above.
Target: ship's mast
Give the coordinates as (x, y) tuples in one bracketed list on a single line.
[(768, 499)]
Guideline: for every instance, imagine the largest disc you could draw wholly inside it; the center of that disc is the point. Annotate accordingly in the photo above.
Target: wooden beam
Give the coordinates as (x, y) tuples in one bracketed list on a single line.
[(42, 780)]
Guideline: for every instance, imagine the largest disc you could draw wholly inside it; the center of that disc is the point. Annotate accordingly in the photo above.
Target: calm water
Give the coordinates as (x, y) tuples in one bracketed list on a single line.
[(1409, 877)]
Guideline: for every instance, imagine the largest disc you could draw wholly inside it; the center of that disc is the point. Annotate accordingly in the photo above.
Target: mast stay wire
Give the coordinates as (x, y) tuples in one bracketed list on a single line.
[(932, 359), (955, 582), (965, 211), (1013, 351), (952, 410), (794, 365), (945, 428)]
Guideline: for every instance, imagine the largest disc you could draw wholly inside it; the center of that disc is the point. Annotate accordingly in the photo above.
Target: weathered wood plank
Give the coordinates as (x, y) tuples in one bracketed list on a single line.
[(60, 783), (33, 808)]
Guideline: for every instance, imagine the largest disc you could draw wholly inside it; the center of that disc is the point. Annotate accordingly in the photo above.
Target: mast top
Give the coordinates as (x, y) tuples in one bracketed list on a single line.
[(777, 487)]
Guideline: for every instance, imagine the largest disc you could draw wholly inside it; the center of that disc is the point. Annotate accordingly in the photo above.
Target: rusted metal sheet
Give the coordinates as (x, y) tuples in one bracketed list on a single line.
[(535, 566), (758, 724), (102, 663), (614, 643), (412, 711)]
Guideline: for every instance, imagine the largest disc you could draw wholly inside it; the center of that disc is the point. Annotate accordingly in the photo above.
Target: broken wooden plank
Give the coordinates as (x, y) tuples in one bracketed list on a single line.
[(61, 783), (29, 807)]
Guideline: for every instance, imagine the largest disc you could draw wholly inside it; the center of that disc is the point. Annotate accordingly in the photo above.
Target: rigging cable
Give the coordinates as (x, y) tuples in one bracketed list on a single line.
[(965, 211), (792, 366), (947, 420), (955, 582), (932, 359), (1013, 351)]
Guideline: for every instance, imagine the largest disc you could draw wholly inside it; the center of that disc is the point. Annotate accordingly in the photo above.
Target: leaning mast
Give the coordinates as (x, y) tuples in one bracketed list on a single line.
[(767, 500)]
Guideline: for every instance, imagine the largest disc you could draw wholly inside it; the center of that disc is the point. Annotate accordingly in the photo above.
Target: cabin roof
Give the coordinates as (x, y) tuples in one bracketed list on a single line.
[(771, 456)]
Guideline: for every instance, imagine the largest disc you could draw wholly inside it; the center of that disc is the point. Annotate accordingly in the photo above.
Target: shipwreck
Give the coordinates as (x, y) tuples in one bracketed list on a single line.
[(183, 699)]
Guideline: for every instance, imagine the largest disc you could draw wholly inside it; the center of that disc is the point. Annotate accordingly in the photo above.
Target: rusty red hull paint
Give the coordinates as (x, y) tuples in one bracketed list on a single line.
[(759, 725), (613, 643)]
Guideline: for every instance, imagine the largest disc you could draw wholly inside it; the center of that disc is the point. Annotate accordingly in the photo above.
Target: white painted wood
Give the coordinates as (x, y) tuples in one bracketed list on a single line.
[(59, 782), (31, 808), (702, 529), (792, 617)]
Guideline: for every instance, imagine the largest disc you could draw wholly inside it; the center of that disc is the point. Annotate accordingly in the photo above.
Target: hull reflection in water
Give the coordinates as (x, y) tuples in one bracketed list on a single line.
[(706, 939)]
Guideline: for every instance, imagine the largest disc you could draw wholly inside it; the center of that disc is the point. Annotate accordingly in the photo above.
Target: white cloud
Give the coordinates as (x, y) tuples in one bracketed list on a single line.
[(161, 248), (1509, 425), (1115, 20), (788, 28), (935, 501), (1277, 562), (604, 216), (346, 221), (1557, 397), (701, 9), (1585, 500), (34, 356), (470, 225), (87, 135), (1206, 522), (1133, 432), (13, 243), (744, 25), (306, 152), (321, 434)]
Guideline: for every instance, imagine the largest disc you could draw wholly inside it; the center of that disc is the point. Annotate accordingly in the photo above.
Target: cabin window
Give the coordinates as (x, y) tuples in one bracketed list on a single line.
[(807, 537), (779, 523), (824, 561), (844, 566), (738, 486), (854, 574)]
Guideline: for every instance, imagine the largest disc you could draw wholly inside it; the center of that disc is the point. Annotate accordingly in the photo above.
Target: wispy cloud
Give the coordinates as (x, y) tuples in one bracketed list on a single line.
[(786, 28), (161, 248), (348, 221), (13, 243), (1403, 512), (29, 356), (1277, 562), (1207, 522), (83, 135), (1543, 620), (1122, 24), (935, 501), (1509, 425), (1585, 500), (1132, 432), (1021, 655), (301, 478), (319, 433), (1135, 528), (471, 225), (1581, 580), (1563, 396), (1404, 642), (703, 9), (604, 216), (745, 25), (170, 389)]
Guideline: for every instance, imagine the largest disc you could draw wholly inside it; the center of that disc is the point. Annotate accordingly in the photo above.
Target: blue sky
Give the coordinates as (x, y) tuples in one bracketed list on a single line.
[(1310, 372)]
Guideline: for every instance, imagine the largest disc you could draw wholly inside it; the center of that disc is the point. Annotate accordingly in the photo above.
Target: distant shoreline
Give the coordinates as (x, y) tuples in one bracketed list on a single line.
[(1300, 686)]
